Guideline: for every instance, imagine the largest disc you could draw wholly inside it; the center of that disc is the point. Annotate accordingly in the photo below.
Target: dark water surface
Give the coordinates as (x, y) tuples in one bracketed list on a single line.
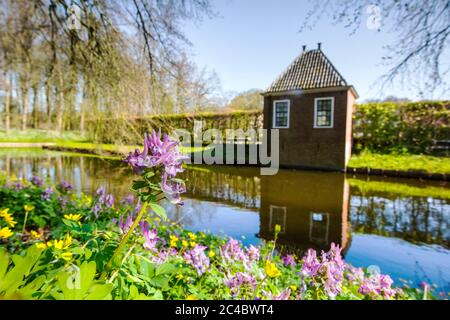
[(401, 226)]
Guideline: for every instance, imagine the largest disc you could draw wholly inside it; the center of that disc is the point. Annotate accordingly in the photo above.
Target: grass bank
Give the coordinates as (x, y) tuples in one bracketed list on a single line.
[(407, 162), (41, 136)]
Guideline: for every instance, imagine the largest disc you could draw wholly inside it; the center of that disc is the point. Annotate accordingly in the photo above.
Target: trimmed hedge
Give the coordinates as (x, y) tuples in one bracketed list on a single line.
[(415, 127), (130, 131)]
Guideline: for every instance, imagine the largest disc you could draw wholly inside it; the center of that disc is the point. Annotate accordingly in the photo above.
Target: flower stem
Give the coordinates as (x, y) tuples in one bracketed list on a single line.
[(25, 222), (124, 240)]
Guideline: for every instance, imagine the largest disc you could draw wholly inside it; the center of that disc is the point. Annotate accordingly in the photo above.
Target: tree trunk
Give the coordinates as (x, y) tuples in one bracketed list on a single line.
[(7, 105), (84, 104), (35, 107), (48, 102), (24, 105), (59, 116)]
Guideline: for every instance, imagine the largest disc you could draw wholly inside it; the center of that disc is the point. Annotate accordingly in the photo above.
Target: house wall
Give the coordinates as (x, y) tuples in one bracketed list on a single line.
[(302, 145)]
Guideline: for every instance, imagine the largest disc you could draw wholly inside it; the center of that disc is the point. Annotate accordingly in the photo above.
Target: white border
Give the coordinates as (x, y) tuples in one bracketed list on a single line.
[(274, 113), (332, 113)]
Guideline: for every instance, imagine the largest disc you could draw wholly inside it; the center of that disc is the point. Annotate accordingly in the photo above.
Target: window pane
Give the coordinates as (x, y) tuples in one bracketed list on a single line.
[(281, 114), (323, 113)]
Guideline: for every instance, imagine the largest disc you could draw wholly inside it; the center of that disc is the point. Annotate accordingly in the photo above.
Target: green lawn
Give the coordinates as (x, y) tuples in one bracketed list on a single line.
[(41, 136), (401, 162)]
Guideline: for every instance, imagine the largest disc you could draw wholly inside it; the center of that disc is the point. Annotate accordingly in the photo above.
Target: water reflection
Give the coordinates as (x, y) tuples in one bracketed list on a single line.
[(402, 226)]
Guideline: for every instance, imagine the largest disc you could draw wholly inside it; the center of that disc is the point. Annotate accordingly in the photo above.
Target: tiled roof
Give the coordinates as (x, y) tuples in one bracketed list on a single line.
[(310, 70)]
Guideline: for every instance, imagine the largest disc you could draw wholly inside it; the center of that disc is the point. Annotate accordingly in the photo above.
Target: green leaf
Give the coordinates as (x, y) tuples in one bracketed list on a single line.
[(159, 211), (159, 281), (139, 184), (166, 268)]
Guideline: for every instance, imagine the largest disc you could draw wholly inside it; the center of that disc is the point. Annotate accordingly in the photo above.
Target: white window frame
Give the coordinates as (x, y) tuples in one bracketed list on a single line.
[(271, 226), (274, 119), (332, 113)]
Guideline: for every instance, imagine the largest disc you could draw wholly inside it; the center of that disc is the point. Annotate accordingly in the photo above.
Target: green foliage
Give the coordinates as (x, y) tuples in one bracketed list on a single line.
[(70, 258), (413, 127), (79, 284), (130, 131), (15, 282)]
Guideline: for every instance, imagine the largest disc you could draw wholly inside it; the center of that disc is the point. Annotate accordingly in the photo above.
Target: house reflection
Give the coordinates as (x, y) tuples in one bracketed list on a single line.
[(311, 208)]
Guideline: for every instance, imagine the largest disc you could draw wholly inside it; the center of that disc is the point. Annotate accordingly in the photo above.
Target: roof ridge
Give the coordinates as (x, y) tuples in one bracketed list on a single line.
[(311, 69)]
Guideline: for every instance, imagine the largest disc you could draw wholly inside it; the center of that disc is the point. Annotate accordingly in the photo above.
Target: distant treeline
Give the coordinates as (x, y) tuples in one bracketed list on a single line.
[(415, 127)]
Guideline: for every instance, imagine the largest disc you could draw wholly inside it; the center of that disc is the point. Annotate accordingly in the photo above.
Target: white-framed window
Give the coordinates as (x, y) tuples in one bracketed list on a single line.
[(324, 112), (281, 114), (319, 225), (277, 216)]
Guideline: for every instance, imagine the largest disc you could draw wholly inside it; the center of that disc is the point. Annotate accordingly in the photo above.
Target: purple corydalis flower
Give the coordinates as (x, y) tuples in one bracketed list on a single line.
[(157, 152), (253, 253), (47, 193), (289, 260), (150, 237), (37, 181), (100, 192), (377, 286), (103, 201), (124, 226), (66, 186), (197, 258), (239, 281), (311, 264), (128, 200), (18, 185), (232, 252), (161, 152)]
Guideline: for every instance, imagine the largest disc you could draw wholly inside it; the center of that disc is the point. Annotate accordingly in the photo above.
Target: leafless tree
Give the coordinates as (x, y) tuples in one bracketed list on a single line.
[(420, 55)]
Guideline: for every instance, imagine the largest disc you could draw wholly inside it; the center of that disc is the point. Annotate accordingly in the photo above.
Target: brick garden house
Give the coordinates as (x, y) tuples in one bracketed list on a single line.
[(311, 104)]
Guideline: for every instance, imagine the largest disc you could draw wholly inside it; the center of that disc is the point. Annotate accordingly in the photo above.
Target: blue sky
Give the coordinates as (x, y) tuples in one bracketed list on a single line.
[(252, 41)]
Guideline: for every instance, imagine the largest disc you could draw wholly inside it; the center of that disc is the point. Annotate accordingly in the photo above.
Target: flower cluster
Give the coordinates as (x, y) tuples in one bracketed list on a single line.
[(240, 281), (197, 258), (103, 201), (160, 152)]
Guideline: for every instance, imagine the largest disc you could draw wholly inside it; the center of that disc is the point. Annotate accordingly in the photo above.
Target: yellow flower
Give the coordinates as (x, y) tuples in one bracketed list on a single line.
[(8, 217), (66, 256), (72, 217), (35, 235), (179, 276), (67, 240), (192, 243), (192, 236), (49, 244), (41, 245), (28, 207), (293, 288), (5, 233), (277, 228), (211, 254), (173, 241), (272, 270), (58, 244), (191, 297), (184, 243)]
